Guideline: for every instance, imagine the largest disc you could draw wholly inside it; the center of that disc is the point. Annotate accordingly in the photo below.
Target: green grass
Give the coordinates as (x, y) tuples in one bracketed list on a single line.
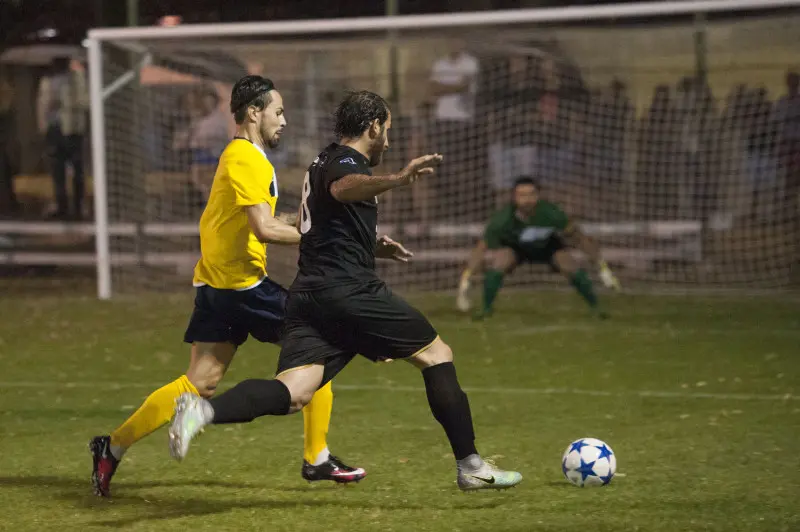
[(697, 396)]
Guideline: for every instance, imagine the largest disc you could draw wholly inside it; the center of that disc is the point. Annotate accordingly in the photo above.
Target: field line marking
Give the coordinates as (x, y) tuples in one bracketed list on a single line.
[(656, 394), (520, 329)]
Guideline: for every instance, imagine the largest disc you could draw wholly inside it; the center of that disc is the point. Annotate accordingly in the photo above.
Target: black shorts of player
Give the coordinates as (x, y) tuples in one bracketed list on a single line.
[(230, 315), (541, 255), (331, 326)]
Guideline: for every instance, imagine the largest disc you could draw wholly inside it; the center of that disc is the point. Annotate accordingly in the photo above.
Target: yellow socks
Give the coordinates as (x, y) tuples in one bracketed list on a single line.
[(156, 411), (159, 406), (316, 419)]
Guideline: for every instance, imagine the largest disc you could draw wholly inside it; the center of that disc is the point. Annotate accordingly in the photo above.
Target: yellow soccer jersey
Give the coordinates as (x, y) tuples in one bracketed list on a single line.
[(231, 255)]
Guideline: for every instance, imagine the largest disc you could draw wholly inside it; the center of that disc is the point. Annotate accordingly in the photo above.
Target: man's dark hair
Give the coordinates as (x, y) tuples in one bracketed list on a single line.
[(526, 180), (250, 91), (357, 111)]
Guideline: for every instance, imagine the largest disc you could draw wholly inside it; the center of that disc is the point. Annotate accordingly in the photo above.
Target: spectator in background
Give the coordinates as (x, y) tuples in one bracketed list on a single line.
[(209, 134), (561, 100), (735, 108), (453, 86), (454, 83), (512, 114), (8, 199), (616, 114), (62, 112), (656, 156), (696, 143), (787, 118), (200, 144), (761, 164)]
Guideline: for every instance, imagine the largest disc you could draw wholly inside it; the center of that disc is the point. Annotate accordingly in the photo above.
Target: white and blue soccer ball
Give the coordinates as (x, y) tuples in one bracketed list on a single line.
[(589, 462)]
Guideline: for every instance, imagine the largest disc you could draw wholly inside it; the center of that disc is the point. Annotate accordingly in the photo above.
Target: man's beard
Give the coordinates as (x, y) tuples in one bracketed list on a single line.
[(376, 154), (273, 142)]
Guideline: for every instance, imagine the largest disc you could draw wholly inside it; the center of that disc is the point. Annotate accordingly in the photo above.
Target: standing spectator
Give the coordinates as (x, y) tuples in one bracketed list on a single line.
[(696, 122), (760, 161), (615, 113), (8, 199), (209, 134), (62, 107), (200, 144), (787, 118), (454, 83), (656, 156), (512, 113)]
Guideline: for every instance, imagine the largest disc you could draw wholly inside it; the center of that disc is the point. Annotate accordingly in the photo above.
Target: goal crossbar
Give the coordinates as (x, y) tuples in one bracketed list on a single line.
[(479, 18)]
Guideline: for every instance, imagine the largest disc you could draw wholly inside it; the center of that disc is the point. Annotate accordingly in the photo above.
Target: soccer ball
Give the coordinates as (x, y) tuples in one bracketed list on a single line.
[(589, 462)]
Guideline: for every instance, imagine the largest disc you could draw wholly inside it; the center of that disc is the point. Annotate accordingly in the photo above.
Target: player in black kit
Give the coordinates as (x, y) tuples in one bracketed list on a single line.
[(338, 307)]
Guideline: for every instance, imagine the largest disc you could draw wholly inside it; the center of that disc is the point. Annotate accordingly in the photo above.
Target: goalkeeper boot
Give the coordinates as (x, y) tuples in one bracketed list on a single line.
[(475, 473), (192, 413), (482, 314), (332, 469), (104, 465), (600, 312)]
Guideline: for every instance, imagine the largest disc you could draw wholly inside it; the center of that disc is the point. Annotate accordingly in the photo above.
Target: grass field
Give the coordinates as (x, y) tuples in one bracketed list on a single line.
[(698, 396)]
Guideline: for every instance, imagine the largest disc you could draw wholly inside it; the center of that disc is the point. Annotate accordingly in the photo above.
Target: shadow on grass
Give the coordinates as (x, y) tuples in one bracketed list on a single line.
[(560, 484), (157, 507)]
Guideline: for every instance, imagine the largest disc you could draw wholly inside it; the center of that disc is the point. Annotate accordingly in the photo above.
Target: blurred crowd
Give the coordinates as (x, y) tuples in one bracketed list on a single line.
[(687, 155)]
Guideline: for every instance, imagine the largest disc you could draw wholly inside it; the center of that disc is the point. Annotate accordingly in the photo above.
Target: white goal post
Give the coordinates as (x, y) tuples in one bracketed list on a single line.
[(672, 211)]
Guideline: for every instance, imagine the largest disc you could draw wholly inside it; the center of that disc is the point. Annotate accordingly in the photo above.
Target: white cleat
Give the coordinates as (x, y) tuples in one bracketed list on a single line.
[(190, 418), (487, 476), (463, 302)]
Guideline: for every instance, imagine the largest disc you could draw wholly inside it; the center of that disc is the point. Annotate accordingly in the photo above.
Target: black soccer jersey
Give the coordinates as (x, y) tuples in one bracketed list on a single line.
[(338, 239)]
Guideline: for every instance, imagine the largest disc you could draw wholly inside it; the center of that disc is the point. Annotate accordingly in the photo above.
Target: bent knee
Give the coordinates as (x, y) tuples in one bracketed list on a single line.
[(564, 262), (299, 400), (438, 353), (205, 382), (504, 260)]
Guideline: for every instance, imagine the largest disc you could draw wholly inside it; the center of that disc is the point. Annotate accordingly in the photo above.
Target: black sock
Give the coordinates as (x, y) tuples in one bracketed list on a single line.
[(450, 407), (251, 399)]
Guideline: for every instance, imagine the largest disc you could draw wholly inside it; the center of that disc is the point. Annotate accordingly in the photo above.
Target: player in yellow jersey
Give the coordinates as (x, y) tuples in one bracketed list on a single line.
[(235, 298)]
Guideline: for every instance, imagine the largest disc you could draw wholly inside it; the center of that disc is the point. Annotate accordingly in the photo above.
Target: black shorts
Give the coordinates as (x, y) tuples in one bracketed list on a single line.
[(331, 326), (540, 254), (230, 315)]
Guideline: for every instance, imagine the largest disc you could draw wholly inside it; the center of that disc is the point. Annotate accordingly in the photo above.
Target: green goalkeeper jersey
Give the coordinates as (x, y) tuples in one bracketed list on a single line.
[(507, 230)]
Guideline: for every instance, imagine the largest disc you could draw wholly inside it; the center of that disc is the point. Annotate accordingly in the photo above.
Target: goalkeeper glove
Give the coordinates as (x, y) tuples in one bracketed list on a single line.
[(462, 300), (607, 276)]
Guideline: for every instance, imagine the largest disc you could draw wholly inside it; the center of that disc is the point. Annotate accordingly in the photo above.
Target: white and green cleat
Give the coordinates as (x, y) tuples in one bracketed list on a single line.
[(192, 413), (476, 474)]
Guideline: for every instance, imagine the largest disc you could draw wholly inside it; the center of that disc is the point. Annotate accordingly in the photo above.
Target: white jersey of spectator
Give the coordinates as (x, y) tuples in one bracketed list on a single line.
[(450, 70), (63, 101)]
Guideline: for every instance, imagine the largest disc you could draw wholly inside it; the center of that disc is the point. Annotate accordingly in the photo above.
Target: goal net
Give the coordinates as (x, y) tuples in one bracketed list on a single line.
[(672, 140)]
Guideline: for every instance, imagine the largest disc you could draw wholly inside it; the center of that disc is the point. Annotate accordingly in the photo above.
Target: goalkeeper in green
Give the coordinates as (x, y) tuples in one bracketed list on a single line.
[(532, 230)]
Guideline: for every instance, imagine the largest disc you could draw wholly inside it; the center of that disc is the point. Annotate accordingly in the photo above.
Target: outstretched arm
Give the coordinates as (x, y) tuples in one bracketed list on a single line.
[(362, 187)]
